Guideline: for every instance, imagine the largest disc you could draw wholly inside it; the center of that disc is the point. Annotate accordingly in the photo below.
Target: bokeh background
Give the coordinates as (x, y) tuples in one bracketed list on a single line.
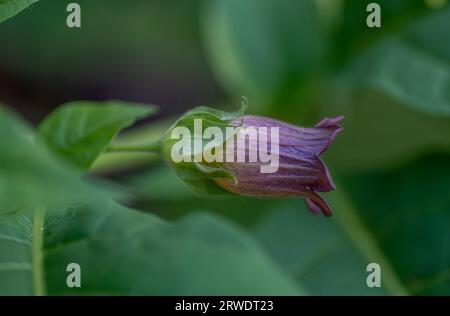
[(295, 60)]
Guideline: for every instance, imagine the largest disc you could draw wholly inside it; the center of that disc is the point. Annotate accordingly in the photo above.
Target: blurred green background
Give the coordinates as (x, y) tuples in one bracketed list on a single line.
[(296, 60)]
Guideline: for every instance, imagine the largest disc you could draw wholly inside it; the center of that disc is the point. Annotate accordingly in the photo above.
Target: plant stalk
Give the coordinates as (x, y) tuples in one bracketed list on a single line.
[(154, 147)]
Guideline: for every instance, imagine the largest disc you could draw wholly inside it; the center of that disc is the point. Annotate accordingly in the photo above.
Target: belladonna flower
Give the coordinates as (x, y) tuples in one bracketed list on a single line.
[(299, 170)]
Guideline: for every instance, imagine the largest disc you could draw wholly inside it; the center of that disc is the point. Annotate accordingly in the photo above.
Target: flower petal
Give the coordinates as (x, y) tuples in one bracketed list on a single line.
[(317, 204), (314, 140)]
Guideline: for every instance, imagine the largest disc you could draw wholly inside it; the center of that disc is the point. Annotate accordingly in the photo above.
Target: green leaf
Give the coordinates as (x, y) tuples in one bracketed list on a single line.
[(80, 131), (160, 182), (318, 253), (121, 251), (351, 31), (411, 67), (408, 212), (30, 176), (263, 48), (9, 8), (395, 97), (315, 252), (399, 219), (110, 162), (381, 133)]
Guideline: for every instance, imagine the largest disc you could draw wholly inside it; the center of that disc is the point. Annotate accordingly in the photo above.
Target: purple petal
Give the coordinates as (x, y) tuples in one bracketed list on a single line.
[(300, 173), (314, 140), (317, 204), (332, 125), (300, 167)]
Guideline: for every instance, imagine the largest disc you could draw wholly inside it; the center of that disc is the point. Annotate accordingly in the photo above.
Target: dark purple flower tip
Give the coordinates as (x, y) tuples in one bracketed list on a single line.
[(300, 171), (317, 204)]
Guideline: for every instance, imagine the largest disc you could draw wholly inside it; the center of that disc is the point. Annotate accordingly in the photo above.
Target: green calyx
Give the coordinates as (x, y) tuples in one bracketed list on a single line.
[(183, 146)]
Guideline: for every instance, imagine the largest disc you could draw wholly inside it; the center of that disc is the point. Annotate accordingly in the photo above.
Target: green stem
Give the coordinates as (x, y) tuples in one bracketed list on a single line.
[(356, 231), (154, 147), (37, 237)]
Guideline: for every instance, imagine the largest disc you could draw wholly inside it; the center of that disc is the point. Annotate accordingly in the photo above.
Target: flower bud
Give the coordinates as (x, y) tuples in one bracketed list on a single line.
[(214, 151)]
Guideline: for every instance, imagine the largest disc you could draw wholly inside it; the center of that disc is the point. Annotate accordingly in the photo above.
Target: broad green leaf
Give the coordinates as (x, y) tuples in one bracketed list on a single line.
[(380, 133), (121, 251), (263, 49), (399, 219), (315, 252), (412, 67), (119, 161), (395, 97), (9, 8), (351, 31), (80, 131), (160, 190), (408, 213), (30, 176)]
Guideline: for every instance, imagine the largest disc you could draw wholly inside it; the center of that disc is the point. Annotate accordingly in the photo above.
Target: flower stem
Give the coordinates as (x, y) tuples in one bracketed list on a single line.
[(154, 147)]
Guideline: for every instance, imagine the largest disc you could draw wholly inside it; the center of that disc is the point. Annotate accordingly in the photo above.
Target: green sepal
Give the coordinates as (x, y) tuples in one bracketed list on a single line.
[(199, 176)]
